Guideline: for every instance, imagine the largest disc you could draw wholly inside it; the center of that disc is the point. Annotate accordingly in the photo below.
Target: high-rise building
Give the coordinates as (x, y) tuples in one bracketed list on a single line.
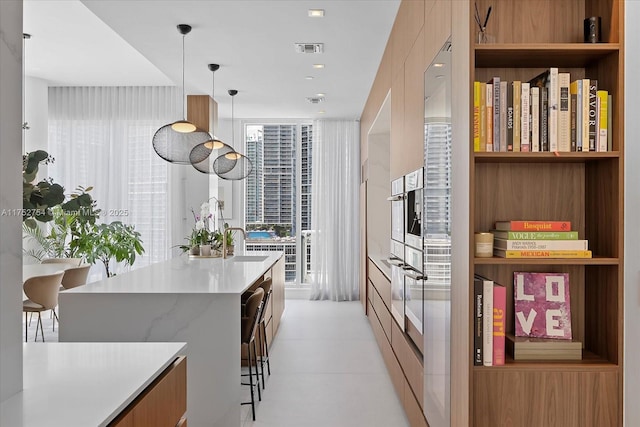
[(305, 176), (254, 180)]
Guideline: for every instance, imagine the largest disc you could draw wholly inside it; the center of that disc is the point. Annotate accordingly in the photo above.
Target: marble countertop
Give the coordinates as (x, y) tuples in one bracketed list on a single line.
[(83, 384), (184, 275)]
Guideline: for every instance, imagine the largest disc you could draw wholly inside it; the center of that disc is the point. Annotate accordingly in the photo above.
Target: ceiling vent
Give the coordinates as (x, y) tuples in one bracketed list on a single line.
[(309, 47), (315, 99)]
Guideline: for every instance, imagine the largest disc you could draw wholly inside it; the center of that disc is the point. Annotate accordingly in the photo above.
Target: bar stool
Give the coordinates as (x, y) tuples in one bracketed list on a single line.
[(248, 329)]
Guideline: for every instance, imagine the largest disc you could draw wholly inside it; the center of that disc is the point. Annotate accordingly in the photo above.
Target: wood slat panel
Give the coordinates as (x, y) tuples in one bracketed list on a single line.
[(415, 19), (395, 372), (551, 399), (412, 148), (397, 157), (602, 207)]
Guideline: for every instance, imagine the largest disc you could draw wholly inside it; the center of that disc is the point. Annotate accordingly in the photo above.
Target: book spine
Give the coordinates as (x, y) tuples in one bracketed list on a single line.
[(525, 118), (517, 123), (609, 122), (540, 245), (489, 107), (564, 114), (476, 116), (496, 114), (483, 117), (499, 323), (585, 114), (541, 254), (538, 235), (544, 119), (535, 225), (478, 322), (578, 115), (535, 119), (487, 322), (554, 95), (503, 115), (603, 98), (510, 117), (573, 135), (593, 114)]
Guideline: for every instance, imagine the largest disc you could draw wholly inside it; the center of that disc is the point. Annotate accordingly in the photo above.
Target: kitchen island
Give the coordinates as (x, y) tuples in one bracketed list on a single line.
[(196, 301)]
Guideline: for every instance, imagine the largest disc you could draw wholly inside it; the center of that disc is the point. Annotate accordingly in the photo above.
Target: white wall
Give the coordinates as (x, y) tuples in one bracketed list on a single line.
[(10, 197), (632, 216), (37, 115)]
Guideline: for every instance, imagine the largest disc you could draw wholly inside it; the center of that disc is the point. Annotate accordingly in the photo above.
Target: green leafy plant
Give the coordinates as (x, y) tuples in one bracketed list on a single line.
[(104, 242)]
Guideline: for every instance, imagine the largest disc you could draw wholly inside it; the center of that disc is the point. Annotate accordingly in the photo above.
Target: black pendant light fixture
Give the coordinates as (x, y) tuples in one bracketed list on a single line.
[(200, 156), (232, 165), (174, 142)]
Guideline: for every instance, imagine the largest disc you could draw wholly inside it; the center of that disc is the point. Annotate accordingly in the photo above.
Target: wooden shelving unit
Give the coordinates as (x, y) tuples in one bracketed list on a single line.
[(584, 188)]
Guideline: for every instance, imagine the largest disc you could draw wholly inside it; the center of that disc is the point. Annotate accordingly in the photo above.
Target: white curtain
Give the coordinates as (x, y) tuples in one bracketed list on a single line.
[(102, 137), (335, 210)]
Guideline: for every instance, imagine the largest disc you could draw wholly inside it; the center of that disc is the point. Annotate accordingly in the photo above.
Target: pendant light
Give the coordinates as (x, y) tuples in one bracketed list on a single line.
[(200, 156), (173, 142), (232, 165)]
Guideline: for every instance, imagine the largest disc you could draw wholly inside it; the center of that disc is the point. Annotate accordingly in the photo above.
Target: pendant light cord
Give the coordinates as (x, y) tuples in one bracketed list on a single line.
[(213, 97), (183, 98), (233, 136)]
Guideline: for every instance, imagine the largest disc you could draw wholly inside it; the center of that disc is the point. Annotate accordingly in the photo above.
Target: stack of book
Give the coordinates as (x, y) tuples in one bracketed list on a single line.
[(526, 348), (548, 113), (490, 301), (538, 239)]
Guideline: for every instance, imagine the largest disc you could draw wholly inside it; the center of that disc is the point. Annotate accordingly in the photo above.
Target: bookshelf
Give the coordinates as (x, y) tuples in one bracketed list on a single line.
[(585, 188)]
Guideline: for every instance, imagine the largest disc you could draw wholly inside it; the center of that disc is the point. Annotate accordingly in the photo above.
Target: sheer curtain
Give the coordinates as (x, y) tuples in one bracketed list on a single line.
[(335, 210), (101, 137)]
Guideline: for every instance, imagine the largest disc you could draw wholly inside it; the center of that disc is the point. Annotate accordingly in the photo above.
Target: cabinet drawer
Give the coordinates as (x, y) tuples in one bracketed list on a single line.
[(384, 316), (162, 404), (413, 409), (410, 361), (369, 291), (381, 283), (393, 367)]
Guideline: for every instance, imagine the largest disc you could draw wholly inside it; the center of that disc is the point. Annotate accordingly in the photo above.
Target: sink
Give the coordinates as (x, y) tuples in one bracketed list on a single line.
[(249, 258)]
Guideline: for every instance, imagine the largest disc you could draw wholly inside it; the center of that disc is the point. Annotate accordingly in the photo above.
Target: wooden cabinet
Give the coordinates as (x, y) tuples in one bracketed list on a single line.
[(585, 188), (162, 404)]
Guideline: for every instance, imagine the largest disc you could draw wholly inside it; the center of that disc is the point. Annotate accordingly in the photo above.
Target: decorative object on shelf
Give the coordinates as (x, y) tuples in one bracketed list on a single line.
[(200, 156), (205, 232), (205, 250), (592, 32), (174, 142), (483, 36), (483, 245), (232, 165)]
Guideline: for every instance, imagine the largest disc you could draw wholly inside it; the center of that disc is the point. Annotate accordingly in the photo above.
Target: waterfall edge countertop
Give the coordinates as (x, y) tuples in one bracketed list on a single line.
[(184, 275), (83, 384)]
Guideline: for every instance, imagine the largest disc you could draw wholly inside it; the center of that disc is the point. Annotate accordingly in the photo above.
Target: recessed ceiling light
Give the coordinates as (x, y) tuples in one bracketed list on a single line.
[(440, 76), (309, 78), (316, 13), (318, 65), (438, 65), (321, 112), (320, 94)]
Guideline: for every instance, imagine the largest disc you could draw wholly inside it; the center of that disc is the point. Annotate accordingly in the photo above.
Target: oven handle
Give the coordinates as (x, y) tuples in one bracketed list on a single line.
[(413, 274), (397, 198), (396, 262)]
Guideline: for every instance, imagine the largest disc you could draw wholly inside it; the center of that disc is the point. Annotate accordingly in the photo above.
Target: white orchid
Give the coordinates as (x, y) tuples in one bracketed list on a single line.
[(199, 225)]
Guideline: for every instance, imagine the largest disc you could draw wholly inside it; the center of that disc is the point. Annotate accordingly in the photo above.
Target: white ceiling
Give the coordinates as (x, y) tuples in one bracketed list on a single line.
[(252, 40)]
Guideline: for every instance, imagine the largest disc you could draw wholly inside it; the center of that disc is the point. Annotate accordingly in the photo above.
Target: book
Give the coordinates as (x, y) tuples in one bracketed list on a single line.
[(525, 118), (478, 323), (564, 113), (603, 97), (609, 122), (554, 97), (593, 114), (544, 119), (499, 323), (503, 116), (510, 118), (517, 115), (535, 119), (542, 306), (541, 245), (489, 115), (495, 84), (535, 235), (573, 118), (483, 116), (585, 114), (476, 116), (487, 321), (533, 225), (532, 254), (527, 348)]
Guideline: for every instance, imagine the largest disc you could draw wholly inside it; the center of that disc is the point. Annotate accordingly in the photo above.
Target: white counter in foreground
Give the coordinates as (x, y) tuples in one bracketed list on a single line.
[(196, 301), (83, 384)]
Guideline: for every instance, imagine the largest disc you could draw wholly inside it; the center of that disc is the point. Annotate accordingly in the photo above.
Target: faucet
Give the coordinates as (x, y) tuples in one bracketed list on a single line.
[(224, 239)]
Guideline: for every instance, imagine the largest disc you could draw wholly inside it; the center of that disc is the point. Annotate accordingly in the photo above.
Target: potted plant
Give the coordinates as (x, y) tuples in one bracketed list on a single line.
[(228, 235), (104, 242)]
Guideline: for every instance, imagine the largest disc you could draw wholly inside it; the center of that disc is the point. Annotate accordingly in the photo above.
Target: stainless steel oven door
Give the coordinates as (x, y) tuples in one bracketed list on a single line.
[(414, 183), (397, 294), (397, 209), (414, 297)]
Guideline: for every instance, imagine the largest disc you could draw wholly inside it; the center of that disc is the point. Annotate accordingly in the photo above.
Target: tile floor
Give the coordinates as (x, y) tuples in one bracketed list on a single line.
[(326, 370)]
